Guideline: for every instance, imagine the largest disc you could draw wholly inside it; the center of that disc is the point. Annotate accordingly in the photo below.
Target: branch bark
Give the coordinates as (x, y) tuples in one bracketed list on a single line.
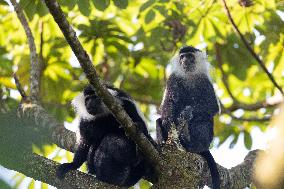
[(43, 169), (179, 169), (34, 73), (262, 65), (237, 177), (146, 147)]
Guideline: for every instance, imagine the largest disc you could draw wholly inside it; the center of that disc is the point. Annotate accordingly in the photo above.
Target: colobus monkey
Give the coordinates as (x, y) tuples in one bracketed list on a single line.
[(112, 156), (190, 104)]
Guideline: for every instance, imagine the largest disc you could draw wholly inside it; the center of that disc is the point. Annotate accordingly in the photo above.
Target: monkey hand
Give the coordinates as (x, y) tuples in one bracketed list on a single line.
[(63, 169)]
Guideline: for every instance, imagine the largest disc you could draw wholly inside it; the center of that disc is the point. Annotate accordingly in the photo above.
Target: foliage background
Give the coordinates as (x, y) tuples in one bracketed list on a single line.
[(131, 43)]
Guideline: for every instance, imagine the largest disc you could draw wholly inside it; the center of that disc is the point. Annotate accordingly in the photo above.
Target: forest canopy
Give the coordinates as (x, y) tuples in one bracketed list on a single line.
[(131, 43)]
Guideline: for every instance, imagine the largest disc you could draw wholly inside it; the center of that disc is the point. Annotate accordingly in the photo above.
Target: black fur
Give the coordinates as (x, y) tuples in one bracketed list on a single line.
[(190, 103), (110, 154)]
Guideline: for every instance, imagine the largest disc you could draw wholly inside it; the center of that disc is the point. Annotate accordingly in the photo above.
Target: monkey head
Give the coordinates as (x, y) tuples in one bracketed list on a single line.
[(187, 58), (190, 61), (87, 104), (93, 103)]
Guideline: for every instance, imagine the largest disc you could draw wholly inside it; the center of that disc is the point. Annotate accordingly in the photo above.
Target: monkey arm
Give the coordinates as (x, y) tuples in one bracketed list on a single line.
[(173, 103), (80, 157)]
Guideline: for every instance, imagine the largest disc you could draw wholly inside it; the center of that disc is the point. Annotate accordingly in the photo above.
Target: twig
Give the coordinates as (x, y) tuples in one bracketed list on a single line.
[(146, 147), (224, 76), (258, 119), (34, 73), (236, 103), (262, 65), (19, 87)]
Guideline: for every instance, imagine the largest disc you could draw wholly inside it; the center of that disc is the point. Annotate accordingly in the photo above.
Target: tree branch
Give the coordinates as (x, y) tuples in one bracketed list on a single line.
[(19, 87), (43, 169), (236, 103), (34, 73), (182, 167), (237, 177), (146, 147), (262, 65)]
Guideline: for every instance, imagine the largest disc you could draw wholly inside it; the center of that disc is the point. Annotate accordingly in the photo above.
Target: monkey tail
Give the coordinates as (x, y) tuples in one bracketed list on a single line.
[(212, 167)]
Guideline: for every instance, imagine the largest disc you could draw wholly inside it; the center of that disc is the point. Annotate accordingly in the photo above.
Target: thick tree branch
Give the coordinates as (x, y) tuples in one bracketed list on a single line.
[(43, 169), (146, 147), (262, 65), (184, 169), (62, 137), (34, 73), (237, 177)]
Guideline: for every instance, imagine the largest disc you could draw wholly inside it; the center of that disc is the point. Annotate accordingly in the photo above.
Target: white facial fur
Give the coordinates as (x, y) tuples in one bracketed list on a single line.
[(201, 66), (79, 105)]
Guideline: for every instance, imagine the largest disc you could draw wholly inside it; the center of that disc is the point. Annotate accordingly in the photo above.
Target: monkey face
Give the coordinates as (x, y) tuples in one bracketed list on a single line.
[(187, 58), (94, 104)]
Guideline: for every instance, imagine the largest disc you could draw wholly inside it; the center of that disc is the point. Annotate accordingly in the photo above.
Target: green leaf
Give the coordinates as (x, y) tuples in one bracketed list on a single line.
[(146, 5), (234, 141), (69, 3), (29, 8), (2, 2), (84, 7), (247, 140), (101, 4), (150, 16), (121, 3)]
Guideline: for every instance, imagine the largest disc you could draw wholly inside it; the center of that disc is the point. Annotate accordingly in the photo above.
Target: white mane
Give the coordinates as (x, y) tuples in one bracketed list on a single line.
[(79, 106), (201, 66)]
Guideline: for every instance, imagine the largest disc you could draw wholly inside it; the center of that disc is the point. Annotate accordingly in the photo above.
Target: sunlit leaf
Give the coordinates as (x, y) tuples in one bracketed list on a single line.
[(121, 3), (150, 16), (84, 7), (247, 140), (146, 5), (101, 4)]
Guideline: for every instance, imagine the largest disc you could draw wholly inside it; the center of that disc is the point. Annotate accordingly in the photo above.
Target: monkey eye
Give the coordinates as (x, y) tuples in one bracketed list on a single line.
[(187, 55), (89, 97)]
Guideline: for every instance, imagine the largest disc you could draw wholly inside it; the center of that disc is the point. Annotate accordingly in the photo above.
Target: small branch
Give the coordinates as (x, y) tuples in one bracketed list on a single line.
[(237, 177), (252, 107), (19, 87), (146, 147), (34, 74), (236, 103), (258, 119), (224, 75), (262, 65)]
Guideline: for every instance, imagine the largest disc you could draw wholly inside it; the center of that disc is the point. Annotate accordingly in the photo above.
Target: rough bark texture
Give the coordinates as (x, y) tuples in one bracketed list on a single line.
[(34, 73), (179, 169), (43, 169)]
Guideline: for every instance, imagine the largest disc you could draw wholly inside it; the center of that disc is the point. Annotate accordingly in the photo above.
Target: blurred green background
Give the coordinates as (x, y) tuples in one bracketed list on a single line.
[(131, 43)]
